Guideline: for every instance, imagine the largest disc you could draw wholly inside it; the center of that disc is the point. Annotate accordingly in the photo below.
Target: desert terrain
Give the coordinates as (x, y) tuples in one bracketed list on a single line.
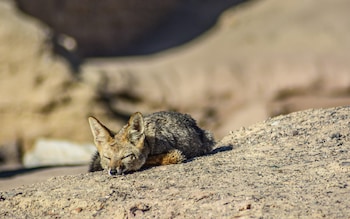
[(293, 166), (270, 79)]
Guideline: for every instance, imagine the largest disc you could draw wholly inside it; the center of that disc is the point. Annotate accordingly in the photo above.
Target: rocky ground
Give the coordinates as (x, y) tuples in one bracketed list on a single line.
[(285, 167), (260, 59)]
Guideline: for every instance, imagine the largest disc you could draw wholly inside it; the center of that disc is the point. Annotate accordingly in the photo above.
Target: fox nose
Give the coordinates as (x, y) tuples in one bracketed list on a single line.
[(113, 172), (117, 171)]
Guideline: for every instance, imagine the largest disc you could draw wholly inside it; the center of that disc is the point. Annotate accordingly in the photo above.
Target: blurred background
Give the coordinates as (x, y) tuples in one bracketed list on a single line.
[(228, 63)]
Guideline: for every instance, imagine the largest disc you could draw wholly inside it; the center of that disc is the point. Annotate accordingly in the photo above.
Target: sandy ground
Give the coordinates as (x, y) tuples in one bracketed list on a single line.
[(290, 166)]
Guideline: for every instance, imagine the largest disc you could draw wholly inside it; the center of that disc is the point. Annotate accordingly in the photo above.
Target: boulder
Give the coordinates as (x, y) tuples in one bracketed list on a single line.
[(40, 96), (291, 166), (49, 152), (262, 59)]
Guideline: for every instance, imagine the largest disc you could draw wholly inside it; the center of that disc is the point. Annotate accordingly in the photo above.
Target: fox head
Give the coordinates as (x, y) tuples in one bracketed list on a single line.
[(120, 152)]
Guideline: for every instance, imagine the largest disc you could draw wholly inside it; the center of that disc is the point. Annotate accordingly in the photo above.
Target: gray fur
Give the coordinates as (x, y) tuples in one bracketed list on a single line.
[(166, 131)]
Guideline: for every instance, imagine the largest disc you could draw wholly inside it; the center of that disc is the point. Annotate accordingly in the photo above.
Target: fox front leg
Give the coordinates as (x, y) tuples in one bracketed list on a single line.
[(171, 157)]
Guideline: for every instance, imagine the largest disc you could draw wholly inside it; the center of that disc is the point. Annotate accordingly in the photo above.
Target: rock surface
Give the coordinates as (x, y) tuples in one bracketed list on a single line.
[(295, 165), (49, 152), (40, 97)]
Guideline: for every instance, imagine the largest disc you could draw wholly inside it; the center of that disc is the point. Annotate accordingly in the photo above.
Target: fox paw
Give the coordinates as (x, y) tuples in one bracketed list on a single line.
[(173, 157)]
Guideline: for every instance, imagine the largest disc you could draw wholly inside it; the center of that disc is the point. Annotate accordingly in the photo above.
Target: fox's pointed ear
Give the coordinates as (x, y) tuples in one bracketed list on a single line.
[(136, 129), (100, 132)]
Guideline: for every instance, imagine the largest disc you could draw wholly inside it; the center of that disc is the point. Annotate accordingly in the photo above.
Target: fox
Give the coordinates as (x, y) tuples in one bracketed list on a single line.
[(160, 138)]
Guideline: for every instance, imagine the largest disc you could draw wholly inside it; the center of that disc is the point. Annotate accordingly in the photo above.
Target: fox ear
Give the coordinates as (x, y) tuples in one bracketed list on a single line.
[(135, 131), (100, 132)]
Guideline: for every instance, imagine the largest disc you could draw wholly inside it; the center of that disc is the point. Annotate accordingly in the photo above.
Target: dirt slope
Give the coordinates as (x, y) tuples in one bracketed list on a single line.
[(285, 167)]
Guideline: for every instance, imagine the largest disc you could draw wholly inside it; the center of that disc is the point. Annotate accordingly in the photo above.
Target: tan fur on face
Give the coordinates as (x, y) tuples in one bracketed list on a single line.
[(121, 152)]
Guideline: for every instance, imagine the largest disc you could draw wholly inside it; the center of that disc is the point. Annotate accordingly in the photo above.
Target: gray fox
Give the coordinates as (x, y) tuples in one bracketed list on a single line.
[(157, 139)]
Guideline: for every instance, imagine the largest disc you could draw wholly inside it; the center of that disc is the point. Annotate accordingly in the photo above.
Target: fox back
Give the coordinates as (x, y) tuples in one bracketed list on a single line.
[(156, 139)]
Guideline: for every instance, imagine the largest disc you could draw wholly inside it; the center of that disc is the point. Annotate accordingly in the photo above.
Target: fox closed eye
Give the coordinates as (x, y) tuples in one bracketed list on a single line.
[(129, 156), (108, 158)]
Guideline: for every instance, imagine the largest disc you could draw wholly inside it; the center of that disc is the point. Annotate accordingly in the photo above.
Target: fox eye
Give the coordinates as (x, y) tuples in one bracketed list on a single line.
[(108, 158), (129, 156)]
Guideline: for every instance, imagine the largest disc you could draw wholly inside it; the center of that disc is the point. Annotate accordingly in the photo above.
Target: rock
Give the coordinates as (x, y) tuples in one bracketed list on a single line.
[(39, 94), (262, 59), (48, 152), (268, 173)]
